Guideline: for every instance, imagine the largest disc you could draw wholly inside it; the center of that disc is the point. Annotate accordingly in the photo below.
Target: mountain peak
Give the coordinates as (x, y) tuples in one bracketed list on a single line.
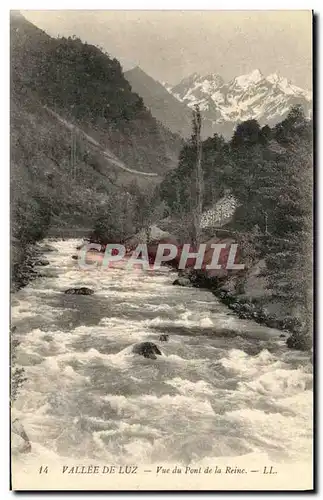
[(135, 69), (214, 77), (256, 74), (248, 96), (273, 78), (165, 108), (284, 83), (251, 78)]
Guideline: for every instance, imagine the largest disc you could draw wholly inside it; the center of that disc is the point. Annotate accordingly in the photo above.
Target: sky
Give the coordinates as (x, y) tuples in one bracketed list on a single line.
[(170, 45)]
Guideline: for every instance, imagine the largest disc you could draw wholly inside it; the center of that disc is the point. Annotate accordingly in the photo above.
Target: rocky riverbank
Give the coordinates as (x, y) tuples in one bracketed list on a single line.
[(248, 307), (26, 263), (69, 339)]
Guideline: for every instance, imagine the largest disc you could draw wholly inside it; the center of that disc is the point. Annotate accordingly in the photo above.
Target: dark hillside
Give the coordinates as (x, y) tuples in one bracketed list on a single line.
[(85, 85), (81, 140)]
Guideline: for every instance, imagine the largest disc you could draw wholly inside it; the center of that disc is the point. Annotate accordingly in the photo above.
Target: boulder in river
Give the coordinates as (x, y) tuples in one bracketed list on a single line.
[(19, 440), (182, 281), (147, 349), (48, 248), (79, 291), (42, 262), (164, 337)]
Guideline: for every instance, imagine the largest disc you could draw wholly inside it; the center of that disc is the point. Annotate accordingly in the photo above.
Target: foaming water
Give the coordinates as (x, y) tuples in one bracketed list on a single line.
[(223, 387)]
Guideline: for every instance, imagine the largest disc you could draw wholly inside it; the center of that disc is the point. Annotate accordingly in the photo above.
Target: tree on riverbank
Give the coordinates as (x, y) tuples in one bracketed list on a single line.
[(269, 172), (273, 183), (197, 185), (290, 251)]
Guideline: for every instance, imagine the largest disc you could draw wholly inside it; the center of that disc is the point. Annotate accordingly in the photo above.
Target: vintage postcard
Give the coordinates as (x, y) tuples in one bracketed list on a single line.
[(161, 250)]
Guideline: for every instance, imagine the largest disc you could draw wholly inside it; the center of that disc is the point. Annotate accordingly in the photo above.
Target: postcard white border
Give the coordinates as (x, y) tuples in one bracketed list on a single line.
[(4, 170)]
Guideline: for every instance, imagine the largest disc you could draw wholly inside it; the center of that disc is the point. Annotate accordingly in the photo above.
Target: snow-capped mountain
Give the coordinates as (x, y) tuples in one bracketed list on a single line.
[(251, 96), (167, 109)]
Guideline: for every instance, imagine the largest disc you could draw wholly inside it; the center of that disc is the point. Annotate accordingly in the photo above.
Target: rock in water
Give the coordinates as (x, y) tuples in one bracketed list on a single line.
[(147, 349), (48, 248), (183, 282), (79, 291), (164, 337), (20, 442), (42, 262)]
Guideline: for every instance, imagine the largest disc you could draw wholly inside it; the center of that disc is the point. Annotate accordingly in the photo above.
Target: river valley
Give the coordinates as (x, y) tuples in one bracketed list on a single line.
[(224, 387)]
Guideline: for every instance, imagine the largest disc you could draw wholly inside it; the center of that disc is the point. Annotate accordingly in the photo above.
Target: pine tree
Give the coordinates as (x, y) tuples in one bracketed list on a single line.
[(198, 181)]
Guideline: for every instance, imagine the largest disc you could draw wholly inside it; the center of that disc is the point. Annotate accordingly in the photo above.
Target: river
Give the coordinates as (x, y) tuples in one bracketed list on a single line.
[(224, 387)]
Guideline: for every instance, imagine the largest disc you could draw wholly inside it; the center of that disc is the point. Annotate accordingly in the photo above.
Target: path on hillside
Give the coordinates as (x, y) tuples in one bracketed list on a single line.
[(107, 153)]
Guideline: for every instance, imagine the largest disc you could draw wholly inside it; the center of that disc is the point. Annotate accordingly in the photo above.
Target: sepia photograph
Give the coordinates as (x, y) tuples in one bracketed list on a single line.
[(161, 250)]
